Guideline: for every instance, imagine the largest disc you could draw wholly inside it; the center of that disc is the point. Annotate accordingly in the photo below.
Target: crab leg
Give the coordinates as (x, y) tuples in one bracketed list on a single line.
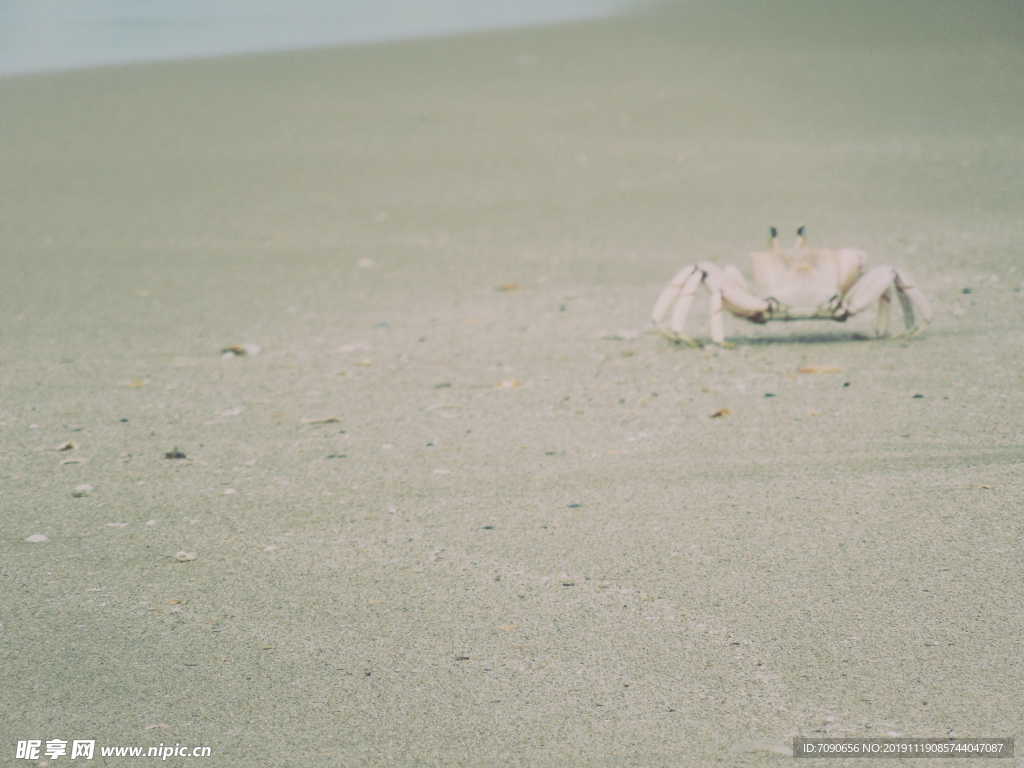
[(683, 304), (679, 297), (717, 324), (878, 282), (911, 297), (728, 289), (882, 318), (679, 285)]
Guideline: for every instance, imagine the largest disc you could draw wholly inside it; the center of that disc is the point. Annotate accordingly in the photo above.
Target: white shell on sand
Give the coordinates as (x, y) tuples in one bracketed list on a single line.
[(356, 346), (184, 557), (38, 538)]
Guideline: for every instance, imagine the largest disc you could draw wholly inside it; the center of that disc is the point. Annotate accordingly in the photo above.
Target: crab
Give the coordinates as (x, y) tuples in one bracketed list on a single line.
[(793, 284)]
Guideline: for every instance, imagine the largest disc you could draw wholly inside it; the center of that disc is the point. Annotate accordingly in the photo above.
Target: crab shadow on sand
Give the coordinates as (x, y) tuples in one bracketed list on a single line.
[(808, 337), (835, 337)]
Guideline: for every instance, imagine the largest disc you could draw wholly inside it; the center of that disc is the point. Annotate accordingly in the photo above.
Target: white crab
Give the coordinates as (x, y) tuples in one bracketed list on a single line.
[(792, 284)]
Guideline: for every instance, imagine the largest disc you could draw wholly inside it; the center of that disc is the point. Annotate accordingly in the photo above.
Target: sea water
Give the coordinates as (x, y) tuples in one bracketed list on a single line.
[(40, 35)]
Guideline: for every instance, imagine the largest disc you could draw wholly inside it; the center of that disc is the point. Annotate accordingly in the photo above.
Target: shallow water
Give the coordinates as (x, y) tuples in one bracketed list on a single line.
[(67, 34)]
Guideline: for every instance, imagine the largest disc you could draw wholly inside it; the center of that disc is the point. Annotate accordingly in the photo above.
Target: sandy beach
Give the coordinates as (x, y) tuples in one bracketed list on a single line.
[(464, 508)]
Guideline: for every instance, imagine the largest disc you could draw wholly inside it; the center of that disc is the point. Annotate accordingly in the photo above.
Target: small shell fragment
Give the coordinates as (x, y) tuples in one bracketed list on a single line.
[(446, 411), (240, 350), (70, 445), (722, 412), (507, 384), (81, 490), (38, 538), (184, 557), (763, 745), (507, 287), (73, 461), (819, 369)]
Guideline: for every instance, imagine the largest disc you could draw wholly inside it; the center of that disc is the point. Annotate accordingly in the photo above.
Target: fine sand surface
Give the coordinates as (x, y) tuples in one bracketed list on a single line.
[(526, 542)]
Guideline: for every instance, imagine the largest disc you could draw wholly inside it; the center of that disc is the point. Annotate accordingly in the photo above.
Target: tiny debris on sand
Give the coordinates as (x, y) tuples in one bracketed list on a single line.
[(175, 454), (184, 557), (81, 490), (722, 412), (241, 350), (70, 445), (811, 369), (323, 420)]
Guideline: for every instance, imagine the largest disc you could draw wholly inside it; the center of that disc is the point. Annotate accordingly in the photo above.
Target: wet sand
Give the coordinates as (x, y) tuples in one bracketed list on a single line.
[(524, 540)]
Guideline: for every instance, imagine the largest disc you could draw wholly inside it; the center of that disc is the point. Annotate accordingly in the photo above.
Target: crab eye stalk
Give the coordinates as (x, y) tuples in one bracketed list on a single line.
[(800, 237), (773, 239)]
